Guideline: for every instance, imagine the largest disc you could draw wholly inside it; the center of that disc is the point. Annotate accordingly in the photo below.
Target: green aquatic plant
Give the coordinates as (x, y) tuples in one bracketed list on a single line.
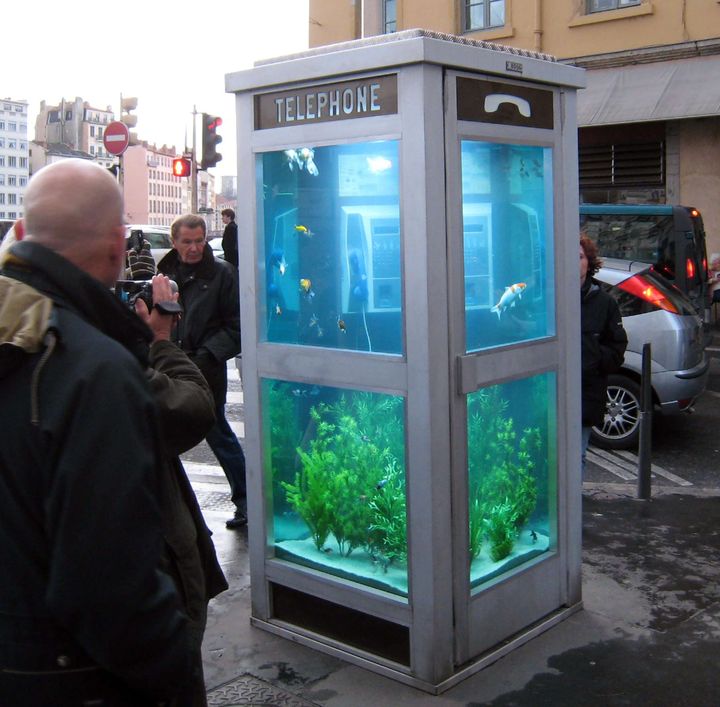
[(501, 530), (501, 470), (387, 534), (342, 470)]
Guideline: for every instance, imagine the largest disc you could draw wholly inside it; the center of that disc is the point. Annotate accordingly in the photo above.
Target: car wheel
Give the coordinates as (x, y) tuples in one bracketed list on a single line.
[(621, 427)]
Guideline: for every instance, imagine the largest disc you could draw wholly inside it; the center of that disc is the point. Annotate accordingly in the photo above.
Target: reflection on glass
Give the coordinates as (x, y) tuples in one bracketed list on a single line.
[(512, 472), (337, 461), (507, 243), (331, 245)]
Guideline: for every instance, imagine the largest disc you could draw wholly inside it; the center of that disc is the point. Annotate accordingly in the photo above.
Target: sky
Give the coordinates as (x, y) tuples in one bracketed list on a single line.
[(170, 59)]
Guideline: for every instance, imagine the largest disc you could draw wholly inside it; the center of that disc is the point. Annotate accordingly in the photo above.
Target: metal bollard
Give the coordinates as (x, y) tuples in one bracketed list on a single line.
[(645, 443)]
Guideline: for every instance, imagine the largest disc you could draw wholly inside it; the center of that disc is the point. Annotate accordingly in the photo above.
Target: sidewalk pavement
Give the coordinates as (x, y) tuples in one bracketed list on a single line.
[(649, 633)]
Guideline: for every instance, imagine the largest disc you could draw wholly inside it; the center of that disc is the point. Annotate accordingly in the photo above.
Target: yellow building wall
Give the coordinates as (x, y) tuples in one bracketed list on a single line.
[(558, 27)]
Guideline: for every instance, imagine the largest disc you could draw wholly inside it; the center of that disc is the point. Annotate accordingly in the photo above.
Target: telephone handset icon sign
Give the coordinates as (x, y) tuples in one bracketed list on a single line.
[(493, 101)]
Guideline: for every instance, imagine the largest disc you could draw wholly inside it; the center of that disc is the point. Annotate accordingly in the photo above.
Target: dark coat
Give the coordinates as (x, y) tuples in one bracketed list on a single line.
[(186, 411), (80, 529), (603, 347), (230, 243), (209, 329)]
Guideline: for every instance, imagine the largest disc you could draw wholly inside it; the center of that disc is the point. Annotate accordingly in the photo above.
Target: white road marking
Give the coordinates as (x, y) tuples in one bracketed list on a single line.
[(625, 465)]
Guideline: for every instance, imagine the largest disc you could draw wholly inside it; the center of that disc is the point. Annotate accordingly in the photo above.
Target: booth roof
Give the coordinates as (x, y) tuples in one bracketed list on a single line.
[(407, 34)]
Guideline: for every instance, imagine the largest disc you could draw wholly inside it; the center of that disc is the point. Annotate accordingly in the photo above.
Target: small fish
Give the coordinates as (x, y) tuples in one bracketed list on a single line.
[(327, 550), (282, 266), (315, 322), (533, 535), (364, 438), (278, 310), (304, 230), (341, 325), (381, 484), (306, 158), (508, 298), (306, 288), (362, 497), (293, 159)]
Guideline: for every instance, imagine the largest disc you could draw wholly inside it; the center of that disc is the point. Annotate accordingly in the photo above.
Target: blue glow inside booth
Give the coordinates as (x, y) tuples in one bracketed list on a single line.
[(408, 220)]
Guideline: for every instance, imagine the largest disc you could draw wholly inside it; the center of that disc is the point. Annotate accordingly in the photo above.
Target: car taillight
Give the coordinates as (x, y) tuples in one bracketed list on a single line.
[(645, 290), (690, 269)]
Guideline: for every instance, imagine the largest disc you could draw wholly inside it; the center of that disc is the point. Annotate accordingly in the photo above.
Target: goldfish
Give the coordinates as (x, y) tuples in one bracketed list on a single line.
[(305, 285), (306, 158), (304, 230), (293, 159), (508, 298)]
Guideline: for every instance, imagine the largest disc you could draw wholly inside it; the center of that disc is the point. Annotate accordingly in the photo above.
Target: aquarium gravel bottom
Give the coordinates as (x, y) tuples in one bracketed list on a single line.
[(358, 567), (525, 548), (361, 567)]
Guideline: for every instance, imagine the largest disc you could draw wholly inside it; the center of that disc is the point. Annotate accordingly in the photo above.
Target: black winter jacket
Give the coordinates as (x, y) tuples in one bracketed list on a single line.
[(80, 530), (230, 244), (209, 329), (603, 347)]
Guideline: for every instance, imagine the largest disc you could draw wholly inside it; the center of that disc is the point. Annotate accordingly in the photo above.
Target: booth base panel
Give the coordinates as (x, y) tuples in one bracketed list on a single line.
[(399, 672)]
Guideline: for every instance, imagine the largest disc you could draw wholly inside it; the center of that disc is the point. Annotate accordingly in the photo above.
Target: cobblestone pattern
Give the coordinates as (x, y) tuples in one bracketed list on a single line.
[(247, 690)]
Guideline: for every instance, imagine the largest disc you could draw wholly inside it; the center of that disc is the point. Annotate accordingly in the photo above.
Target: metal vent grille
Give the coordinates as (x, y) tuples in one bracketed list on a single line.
[(636, 164)]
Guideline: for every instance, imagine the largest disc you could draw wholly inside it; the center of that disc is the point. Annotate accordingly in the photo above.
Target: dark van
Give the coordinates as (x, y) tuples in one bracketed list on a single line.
[(671, 238)]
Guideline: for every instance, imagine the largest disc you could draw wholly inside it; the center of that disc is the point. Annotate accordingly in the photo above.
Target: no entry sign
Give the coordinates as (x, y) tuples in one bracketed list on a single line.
[(116, 138)]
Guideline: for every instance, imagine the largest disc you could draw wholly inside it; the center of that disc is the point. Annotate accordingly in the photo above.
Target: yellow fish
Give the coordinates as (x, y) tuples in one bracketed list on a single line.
[(305, 285), (304, 230), (508, 298)]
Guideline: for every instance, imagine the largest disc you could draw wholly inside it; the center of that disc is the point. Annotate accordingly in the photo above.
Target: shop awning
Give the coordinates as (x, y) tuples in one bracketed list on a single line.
[(666, 90)]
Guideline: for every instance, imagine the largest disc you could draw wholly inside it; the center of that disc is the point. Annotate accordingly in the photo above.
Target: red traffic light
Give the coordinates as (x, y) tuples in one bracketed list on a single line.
[(181, 167)]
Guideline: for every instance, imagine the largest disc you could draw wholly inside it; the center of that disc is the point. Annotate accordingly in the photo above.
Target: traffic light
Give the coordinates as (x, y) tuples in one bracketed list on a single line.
[(210, 140), (181, 167), (126, 105)]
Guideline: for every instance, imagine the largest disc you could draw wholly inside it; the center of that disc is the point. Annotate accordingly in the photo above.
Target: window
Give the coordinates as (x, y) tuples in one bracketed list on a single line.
[(12, 161), (2, 125), (2, 161), (12, 144), (23, 181), (2, 198), (12, 198), (389, 16), (92, 149), (92, 131), (24, 162), (602, 5), (2, 142), (482, 14), (12, 180), (12, 127), (2, 180)]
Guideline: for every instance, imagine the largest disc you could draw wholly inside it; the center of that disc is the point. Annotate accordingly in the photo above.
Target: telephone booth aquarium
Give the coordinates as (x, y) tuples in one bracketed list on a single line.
[(408, 211)]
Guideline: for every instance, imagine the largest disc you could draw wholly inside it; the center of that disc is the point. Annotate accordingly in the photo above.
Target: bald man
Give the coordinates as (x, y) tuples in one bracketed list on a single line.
[(85, 615)]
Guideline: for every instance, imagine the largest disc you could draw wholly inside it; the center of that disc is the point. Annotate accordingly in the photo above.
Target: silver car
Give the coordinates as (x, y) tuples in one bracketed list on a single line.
[(657, 313)]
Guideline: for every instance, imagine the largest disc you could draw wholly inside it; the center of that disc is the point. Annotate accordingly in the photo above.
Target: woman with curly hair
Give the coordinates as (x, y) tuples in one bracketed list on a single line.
[(603, 340)]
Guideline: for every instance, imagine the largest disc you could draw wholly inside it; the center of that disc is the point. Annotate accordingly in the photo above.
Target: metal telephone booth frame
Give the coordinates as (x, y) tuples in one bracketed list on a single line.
[(393, 193)]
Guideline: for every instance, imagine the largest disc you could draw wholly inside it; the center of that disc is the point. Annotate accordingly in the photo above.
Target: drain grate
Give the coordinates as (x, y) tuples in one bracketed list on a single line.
[(214, 500), (249, 691)]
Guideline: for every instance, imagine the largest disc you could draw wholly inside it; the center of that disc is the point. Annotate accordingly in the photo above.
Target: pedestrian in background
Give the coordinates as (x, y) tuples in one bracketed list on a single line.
[(86, 615), (603, 341), (209, 332), (230, 237)]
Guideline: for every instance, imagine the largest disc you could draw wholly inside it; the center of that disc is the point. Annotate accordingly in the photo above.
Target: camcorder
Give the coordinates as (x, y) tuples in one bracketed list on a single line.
[(130, 291)]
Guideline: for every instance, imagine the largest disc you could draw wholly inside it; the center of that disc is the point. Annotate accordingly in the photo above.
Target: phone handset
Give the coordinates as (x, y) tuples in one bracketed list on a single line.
[(493, 101)]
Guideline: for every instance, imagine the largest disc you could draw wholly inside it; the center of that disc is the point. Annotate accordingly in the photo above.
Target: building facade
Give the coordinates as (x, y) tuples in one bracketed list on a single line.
[(75, 124), (14, 157), (649, 119), (153, 195)]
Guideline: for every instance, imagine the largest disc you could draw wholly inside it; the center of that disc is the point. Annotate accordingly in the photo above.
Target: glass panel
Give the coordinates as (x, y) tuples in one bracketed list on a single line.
[(337, 462), (497, 13), (475, 15), (508, 243), (332, 246), (512, 475)]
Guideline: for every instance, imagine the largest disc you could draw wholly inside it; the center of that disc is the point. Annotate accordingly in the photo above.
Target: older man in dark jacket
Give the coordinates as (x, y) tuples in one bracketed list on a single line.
[(86, 616), (209, 332)]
